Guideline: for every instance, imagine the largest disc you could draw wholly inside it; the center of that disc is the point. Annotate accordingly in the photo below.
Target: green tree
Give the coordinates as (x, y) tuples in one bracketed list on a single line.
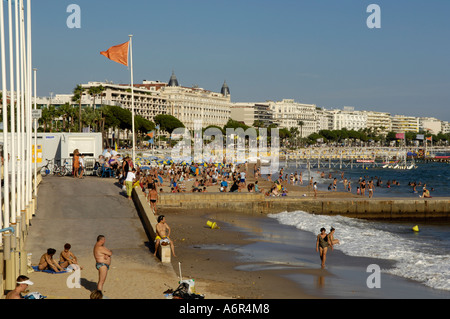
[(167, 122), (235, 124)]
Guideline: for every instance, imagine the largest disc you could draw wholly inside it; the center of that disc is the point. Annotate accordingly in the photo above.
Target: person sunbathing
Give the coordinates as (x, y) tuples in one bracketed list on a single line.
[(68, 258), (48, 263)]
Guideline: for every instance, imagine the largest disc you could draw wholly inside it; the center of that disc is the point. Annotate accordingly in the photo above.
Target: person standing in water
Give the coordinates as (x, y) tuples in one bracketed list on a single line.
[(331, 239), (322, 245)]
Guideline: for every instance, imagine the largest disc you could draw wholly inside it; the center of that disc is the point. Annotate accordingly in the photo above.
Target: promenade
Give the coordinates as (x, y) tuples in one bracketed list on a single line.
[(76, 211)]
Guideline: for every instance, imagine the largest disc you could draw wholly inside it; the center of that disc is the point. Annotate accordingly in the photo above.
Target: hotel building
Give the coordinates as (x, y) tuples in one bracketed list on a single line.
[(189, 104), (379, 122), (251, 112), (186, 104), (348, 119), (403, 123), (287, 113)]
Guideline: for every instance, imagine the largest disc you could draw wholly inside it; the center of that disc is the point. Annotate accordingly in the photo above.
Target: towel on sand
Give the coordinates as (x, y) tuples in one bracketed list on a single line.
[(50, 271)]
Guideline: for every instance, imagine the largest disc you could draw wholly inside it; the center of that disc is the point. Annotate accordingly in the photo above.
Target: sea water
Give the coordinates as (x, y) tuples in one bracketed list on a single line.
[(436, 176), (422, 256)]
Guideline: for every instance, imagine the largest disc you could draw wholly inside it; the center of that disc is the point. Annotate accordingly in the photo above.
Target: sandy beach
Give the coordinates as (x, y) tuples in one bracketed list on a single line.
[(250, 256)]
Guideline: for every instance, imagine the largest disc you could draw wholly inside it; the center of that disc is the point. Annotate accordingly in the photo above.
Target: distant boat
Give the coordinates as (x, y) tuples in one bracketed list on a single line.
[(364, 161)]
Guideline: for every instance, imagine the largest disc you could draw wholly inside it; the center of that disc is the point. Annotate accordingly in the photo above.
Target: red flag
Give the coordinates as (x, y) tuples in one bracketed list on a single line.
[(117, 53), (430, 138), (400, 135)]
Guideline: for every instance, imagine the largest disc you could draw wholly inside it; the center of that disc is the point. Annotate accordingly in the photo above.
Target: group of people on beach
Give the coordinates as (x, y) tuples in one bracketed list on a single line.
[(66, 259)]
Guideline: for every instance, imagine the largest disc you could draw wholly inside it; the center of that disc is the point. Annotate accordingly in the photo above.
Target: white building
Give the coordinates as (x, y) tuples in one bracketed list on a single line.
[(445, 127), (288, 113), (348, 119), (403, 123), (148, 102), (324, 119), (379, 122), (430, 125), (189, 104)]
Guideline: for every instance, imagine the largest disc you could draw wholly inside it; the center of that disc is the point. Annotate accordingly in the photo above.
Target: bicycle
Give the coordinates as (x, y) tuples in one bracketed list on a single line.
[(60, 170), (55, 169), (47, 168)]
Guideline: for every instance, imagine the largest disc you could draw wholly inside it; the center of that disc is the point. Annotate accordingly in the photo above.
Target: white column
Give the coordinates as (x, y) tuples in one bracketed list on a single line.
[(5, 122), (22, 105), (18, 108), (29, 103), (13, 117)]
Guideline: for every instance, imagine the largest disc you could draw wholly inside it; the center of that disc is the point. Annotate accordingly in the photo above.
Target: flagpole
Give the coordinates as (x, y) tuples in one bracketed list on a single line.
[(35, 137), (132, 100)]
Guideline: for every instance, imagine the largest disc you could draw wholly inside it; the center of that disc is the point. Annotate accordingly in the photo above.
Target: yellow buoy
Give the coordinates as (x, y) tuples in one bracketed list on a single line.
[(212, 225), (415, 228)]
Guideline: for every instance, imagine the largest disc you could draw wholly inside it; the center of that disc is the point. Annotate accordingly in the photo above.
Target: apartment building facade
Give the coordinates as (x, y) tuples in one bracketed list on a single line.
[(287, 114)]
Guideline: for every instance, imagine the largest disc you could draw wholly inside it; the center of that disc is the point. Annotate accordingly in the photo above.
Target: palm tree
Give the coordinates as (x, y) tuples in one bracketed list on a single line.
[(46, 118), (77, 95), (93, 91), (65, 113), (301, 123)]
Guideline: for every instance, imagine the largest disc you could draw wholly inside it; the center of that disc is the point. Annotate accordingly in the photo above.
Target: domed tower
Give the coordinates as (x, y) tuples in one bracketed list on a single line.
[(173, 80), (225, 89)]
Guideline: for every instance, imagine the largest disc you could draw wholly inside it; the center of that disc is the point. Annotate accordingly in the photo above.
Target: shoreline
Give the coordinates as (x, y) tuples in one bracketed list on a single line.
[(247, 259)]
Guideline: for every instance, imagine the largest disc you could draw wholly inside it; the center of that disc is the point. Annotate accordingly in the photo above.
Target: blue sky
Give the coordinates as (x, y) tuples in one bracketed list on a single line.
[(318, 52)]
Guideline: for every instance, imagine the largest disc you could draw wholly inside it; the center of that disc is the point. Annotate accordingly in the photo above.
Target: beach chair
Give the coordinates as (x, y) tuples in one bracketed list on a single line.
[(107, 171)]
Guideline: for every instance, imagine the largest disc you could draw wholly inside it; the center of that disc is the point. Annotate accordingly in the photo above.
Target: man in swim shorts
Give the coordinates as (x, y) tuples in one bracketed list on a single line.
[(162, 235), (153, 197), (102, 257)]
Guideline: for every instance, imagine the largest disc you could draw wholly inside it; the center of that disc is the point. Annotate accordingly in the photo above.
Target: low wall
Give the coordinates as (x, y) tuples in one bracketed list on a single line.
[(150, 222), (374, 208)]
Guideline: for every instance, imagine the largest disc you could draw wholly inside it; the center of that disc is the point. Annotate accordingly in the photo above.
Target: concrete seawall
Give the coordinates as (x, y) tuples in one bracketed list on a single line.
[(374, 208)]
